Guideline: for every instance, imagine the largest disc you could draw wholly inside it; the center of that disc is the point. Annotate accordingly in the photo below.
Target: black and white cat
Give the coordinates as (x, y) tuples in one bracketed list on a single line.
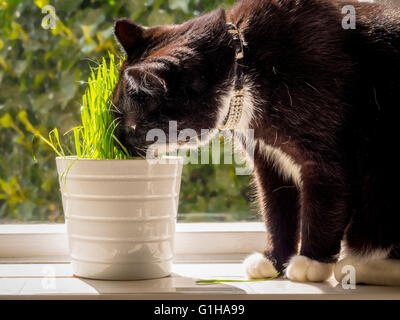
[(322, 102)]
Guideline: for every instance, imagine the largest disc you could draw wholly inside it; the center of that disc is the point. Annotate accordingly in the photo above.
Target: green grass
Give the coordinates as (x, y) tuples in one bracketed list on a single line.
[(212, 281), (94, 138)]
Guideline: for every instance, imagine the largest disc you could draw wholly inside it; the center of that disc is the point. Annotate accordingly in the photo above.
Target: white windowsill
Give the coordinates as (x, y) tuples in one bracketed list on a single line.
[(193, 242), (29, 254), (56, 281)]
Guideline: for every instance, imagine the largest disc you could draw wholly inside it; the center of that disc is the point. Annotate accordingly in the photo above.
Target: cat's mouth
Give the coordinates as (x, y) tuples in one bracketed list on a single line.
[(154, 140), (128, 141)]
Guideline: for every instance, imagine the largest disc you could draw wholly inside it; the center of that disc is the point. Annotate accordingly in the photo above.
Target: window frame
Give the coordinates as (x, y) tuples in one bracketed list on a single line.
[(22, 243)]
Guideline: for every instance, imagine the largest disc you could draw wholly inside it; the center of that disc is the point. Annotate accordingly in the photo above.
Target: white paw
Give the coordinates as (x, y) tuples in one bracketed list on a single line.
[(304, 269), (257, 266)]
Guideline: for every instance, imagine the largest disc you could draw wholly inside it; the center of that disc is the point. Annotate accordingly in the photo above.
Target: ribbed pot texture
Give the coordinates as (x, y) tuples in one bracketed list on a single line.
[(120, 216)]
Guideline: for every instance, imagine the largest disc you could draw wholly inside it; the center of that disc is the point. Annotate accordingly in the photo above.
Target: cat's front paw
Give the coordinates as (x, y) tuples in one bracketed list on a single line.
[(303, 269), (257, 266)]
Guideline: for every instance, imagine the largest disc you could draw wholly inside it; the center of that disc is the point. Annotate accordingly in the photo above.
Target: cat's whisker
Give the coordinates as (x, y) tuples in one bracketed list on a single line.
[(116, 119), (116, 108), (117, 124)]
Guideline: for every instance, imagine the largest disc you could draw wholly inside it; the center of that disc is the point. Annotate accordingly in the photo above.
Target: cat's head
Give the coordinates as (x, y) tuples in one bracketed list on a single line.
[(171, 73)]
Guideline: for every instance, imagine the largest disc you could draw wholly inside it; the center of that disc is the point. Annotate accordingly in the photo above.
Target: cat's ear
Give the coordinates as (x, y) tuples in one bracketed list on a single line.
[(144, 81), (128, 34), (220, 14), (215, 18)]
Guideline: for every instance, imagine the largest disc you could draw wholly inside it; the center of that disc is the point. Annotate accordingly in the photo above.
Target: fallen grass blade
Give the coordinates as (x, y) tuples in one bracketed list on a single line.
[(211, 281)]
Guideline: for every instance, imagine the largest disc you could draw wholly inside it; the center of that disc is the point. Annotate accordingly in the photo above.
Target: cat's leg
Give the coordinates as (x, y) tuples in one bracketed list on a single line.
[(323, 220), (279, 203), (372, 240)]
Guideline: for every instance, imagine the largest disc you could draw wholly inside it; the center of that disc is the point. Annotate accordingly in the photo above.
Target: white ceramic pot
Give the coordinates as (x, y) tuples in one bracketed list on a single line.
[(120, 216)]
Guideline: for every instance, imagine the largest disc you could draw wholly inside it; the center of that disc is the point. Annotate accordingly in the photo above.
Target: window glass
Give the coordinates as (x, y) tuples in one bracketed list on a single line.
[(42, 79)]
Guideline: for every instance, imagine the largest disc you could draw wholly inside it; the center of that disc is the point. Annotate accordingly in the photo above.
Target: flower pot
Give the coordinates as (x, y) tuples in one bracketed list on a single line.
[(120, 216)]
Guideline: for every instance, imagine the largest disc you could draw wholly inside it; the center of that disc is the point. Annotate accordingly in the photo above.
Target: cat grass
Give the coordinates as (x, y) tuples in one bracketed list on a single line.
[(94, 138), (213, 281)]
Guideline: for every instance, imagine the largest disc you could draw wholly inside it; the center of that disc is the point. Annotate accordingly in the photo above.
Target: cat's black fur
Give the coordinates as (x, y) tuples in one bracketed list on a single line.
[(328, 99)]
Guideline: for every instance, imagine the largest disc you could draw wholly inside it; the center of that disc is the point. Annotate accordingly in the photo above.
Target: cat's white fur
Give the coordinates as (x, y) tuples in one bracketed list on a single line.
[(368, 270), (282, 162), (373, 267), (300, 268), (304, 269), (257, 266)]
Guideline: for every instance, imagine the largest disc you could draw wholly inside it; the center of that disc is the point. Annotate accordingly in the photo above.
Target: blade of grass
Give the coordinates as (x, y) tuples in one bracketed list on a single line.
[(77, 142), (95, 138), (221, 281)]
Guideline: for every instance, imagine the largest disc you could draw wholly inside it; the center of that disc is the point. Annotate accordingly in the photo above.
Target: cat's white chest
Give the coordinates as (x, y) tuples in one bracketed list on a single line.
[(282, 162)]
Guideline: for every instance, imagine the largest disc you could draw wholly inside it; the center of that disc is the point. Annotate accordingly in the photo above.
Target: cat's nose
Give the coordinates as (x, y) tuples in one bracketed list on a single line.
[(128, 131), (130, 137)]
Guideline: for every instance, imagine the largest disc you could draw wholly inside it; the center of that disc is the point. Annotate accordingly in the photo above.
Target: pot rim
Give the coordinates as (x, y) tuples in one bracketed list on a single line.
[(178, 158)]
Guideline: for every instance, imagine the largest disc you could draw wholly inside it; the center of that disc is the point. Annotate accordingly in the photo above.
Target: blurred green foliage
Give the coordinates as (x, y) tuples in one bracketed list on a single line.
[(42, 79)]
